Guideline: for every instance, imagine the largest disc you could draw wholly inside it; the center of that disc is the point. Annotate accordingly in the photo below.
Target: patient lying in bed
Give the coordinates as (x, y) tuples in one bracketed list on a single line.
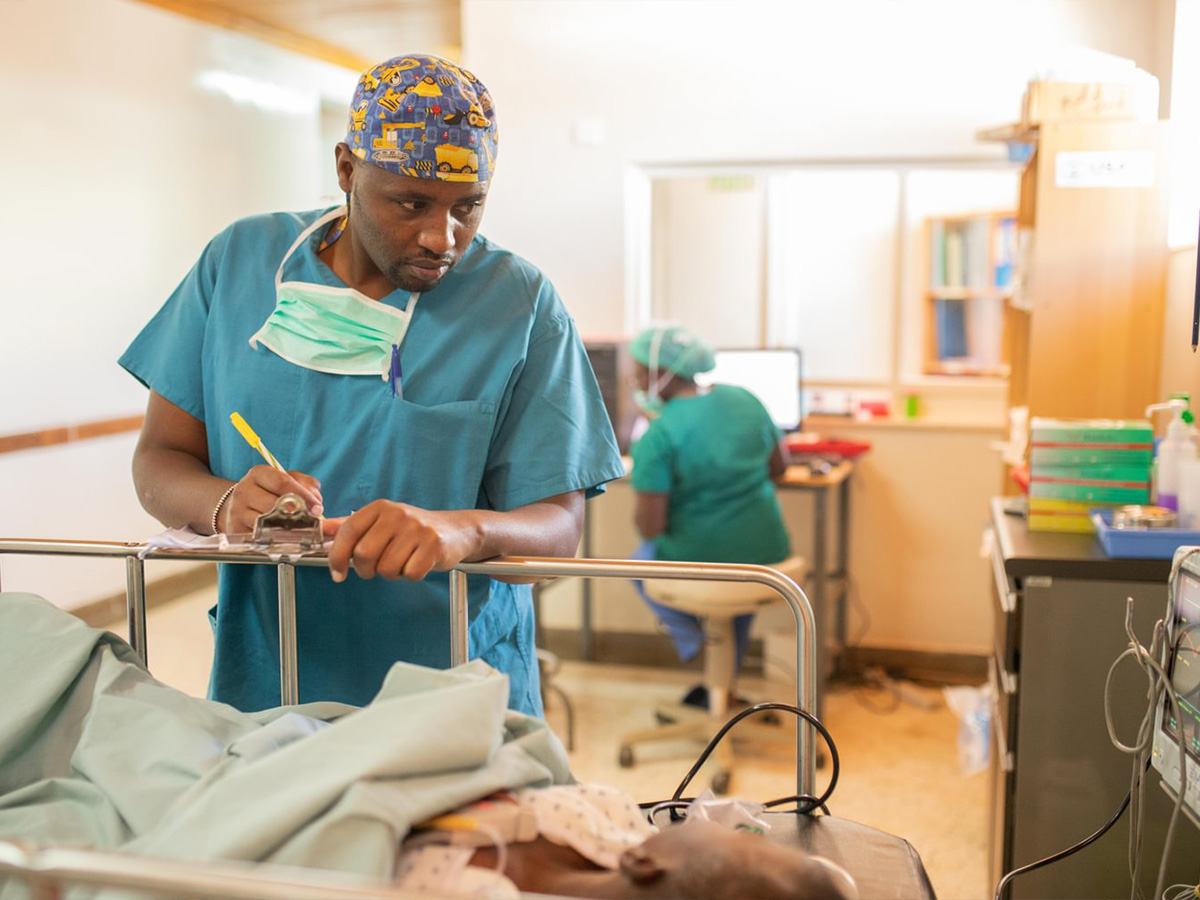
[(95, 753)]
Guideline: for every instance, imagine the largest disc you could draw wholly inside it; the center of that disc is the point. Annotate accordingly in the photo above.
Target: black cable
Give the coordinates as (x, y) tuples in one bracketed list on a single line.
[(865, 680), (684, 802), (678, 801), (1063, 854), (814, 803), (672, 805)]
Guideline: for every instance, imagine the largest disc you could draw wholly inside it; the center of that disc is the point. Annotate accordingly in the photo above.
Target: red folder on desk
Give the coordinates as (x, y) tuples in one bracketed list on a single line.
[(804, 443)]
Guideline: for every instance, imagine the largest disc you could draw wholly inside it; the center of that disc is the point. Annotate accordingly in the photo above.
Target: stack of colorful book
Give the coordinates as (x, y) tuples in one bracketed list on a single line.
[(1077, 465)]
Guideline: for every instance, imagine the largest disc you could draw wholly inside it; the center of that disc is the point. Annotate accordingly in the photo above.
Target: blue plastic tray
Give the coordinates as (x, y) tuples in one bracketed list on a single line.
[(1144, 543)]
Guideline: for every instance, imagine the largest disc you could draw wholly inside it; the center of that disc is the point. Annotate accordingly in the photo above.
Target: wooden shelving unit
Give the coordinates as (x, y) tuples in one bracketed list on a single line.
[(971, 261), (1084, 323)]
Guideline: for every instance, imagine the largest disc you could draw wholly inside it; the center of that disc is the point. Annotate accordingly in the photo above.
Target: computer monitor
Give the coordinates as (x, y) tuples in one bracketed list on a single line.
[(771, 375), (1183, 667)]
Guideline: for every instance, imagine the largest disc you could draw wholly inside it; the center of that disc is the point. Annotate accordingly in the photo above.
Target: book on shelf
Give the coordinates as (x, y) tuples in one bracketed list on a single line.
[(1004, 252), (937, 254), (975, 254), (954, 253), (950, 323), (985, 319), (971, 255)]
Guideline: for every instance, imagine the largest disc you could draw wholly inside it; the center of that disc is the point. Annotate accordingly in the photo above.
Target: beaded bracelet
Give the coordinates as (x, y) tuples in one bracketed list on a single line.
[(220, 503)]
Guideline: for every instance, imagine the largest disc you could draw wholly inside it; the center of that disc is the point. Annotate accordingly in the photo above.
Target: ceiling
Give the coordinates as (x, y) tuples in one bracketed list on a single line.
[(351, 33)]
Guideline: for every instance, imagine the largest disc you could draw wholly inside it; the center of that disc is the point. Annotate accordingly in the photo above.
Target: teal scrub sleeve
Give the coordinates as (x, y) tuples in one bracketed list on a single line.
[(652, 463), (553, 434), (167, 355)]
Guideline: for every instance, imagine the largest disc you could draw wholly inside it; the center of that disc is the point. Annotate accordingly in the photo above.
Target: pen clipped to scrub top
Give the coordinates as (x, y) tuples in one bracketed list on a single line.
[(254, 440)]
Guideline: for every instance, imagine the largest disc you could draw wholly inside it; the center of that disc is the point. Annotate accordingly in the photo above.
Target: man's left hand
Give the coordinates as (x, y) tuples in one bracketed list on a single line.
[(395, 540)]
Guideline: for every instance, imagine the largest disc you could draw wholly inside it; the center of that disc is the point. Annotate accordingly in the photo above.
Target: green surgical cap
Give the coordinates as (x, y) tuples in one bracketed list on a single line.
[(679, 351)]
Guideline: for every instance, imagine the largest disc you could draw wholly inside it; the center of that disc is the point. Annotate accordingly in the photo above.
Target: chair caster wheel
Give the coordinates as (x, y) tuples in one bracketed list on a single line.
[(625, 758), (720, 783)]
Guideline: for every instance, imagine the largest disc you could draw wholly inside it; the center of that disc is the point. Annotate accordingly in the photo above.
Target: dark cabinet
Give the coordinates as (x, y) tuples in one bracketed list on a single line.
[(1059, 611)]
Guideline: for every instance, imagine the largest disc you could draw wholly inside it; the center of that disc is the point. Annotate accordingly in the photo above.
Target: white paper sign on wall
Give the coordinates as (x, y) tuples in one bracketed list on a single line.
[(1104, 168)]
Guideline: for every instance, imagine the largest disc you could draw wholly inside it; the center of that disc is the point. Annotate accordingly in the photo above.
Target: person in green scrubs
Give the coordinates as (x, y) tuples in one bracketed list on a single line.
[(704, 473)]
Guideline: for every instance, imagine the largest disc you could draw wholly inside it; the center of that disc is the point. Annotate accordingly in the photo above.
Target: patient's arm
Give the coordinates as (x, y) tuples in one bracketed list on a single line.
[(697, 860)]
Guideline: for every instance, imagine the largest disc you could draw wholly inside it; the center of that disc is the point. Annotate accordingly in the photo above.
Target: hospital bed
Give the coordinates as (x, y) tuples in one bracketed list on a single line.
[(883, 865)]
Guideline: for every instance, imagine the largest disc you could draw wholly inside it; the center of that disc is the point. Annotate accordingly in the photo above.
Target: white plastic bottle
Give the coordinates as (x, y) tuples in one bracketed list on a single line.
[(1174, 451)]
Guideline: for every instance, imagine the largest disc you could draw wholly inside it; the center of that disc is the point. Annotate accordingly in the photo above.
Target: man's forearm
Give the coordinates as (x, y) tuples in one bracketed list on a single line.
[(176, 488), (550, 527)]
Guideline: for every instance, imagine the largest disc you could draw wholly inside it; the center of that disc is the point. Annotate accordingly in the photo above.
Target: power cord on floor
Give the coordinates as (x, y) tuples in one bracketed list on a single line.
[(805, 803), (898, 691)]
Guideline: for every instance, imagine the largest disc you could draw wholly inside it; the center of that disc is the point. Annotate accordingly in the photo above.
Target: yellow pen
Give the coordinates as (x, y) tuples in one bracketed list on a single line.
[(254, 440)]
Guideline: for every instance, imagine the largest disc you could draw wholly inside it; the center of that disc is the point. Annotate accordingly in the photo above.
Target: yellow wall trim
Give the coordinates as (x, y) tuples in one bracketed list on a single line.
[(218, 13)]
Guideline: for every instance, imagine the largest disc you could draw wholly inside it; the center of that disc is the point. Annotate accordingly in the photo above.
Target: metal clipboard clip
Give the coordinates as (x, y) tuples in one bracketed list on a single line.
[(287, 530)]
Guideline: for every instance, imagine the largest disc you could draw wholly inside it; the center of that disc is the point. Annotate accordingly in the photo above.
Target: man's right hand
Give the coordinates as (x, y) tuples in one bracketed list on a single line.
[(257, 492), (176, 485)]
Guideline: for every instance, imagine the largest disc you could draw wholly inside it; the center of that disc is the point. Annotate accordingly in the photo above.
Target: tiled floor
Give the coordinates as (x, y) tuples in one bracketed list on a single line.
[(899, 757)]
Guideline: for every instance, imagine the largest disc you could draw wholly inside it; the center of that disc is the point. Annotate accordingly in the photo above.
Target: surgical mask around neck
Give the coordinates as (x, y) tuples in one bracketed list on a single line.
[(335, 330)]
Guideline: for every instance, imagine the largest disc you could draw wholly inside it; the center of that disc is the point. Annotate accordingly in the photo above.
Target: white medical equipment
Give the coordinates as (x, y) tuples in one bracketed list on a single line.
[(1181, 772)]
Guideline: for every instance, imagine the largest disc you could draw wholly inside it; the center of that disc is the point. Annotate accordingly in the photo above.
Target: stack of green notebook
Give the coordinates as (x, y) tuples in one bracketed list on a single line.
[(1077, 465)]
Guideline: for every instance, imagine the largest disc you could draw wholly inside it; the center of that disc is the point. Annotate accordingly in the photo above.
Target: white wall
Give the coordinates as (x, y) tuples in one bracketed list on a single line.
[(1180, 364), (755, 80), (116, 167), (708, 258)]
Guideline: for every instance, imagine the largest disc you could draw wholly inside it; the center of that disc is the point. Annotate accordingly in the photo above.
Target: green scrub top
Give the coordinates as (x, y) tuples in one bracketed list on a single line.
[(499, 409), (710, 454)]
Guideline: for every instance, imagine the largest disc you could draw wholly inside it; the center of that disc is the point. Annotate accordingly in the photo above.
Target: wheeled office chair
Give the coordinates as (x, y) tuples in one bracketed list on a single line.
[(717, 603)]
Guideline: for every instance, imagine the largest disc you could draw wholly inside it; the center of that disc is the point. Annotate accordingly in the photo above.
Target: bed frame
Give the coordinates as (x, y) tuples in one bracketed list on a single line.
[(46, 869)]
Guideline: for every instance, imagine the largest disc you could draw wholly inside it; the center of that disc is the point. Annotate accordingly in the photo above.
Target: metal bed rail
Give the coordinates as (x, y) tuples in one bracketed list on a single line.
[(135, 554), (44, 871)]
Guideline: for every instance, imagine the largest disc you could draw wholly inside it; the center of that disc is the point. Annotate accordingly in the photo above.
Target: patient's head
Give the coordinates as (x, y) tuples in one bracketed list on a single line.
[(704, 860), (697, 860)]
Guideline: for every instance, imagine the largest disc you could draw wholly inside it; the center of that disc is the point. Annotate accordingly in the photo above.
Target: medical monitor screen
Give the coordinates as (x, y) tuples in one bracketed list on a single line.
[(1184, 664), (771, 375)]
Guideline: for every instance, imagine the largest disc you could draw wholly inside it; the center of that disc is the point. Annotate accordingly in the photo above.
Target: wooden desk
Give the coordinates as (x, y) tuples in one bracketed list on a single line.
[(799, 477)]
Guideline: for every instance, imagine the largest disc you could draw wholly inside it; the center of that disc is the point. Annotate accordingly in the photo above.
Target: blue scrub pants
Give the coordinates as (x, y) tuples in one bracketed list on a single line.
[(686, 630)]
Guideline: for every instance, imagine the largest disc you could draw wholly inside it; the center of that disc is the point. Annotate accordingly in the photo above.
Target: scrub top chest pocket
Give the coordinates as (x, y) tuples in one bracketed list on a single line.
[(434, 456)]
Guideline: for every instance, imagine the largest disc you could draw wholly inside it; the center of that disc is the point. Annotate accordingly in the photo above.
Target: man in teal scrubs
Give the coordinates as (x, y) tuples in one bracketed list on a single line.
[(703, 472), (426, 390)]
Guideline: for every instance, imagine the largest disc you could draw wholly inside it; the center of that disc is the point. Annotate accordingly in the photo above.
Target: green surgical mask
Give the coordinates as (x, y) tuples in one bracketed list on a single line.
[(335, 330), (652, 402)]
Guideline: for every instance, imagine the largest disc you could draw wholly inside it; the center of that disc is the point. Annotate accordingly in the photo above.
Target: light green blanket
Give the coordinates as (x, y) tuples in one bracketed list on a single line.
[(95, 753)]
